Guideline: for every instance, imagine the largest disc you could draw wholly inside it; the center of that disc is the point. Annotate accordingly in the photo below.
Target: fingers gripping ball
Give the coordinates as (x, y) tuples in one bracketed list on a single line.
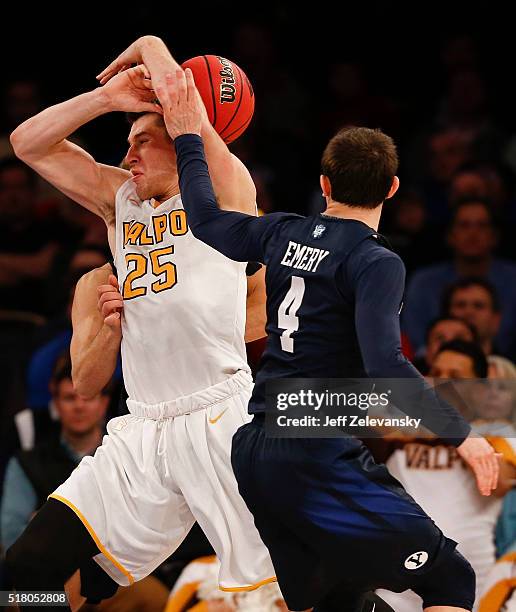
[(226, 92)]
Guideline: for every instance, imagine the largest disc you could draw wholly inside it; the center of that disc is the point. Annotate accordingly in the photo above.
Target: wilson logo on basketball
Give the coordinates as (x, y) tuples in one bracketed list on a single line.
[(227, 81)]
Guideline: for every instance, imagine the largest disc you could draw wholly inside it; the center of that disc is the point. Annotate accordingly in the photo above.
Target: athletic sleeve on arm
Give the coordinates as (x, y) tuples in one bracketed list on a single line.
[(236, 235), (378, 298)]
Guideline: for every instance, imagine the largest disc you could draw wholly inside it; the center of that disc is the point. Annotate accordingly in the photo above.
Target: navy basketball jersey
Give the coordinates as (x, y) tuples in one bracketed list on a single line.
[(310, 278)]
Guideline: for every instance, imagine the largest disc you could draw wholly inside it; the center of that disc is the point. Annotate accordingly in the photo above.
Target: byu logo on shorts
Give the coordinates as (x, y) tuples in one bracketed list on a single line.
[(416, 560), (318, 231)]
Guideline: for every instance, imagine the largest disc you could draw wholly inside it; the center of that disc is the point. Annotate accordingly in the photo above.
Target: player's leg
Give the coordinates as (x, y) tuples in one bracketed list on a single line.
[(449, 586), (200, 452), (346, 510), (341, 598), (51, 549)]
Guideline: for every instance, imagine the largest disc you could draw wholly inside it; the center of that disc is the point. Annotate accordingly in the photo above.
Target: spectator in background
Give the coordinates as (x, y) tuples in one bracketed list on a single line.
[(424, 465), (32, 475), (474, 300), (197, 590), (43, 361), (441, 330), (408, 231), (29, 245), (481, 182), (472, 237), (500, 587), (465, 107), (447, 150), (22, 99)]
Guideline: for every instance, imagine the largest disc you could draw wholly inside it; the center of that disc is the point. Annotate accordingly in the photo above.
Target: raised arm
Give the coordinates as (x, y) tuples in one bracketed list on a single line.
[(41, 141), (232, 182), (96, 330), (378, 295)]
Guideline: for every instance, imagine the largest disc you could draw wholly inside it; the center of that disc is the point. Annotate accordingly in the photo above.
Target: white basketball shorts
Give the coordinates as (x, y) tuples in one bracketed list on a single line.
[(158, 470)]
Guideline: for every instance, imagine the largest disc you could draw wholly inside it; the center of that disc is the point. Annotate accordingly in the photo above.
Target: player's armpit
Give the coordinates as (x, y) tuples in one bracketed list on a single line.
[(256, 301)]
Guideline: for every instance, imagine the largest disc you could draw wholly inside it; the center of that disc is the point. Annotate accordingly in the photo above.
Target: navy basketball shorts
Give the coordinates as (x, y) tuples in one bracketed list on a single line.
[(332, 518)]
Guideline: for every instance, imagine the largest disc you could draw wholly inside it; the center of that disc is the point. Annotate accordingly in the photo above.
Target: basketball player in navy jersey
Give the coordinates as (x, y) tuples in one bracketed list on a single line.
[(337, 524)]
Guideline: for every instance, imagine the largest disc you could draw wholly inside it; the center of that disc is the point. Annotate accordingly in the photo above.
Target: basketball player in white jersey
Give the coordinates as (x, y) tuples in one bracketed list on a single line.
[(167, 463)]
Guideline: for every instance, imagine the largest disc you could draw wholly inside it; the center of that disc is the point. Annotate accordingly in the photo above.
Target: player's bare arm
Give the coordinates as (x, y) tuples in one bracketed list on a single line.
[(97, 332), (256, 315), (232, 182), (41, 141)]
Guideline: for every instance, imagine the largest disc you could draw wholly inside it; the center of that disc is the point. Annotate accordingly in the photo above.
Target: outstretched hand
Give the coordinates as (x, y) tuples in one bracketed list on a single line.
[(181, 104), (482, 459)]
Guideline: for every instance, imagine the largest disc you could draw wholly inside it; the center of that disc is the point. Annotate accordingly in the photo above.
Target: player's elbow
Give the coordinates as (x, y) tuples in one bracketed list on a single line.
[(21, 141)]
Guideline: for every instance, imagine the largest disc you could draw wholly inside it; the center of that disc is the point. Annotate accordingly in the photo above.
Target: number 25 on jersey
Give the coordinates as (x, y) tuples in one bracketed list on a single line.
[(138, 264)]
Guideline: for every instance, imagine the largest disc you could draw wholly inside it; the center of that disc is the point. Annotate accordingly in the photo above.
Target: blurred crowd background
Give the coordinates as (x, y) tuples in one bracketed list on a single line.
[(434, 77)]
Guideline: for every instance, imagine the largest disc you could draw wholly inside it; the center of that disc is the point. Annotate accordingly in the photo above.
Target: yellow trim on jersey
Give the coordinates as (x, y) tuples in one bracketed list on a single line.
[(94, 536), (252, 587), (500, 591), (502, 446)]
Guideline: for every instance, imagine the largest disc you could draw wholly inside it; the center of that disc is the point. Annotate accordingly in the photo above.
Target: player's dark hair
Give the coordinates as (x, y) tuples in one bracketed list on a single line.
[(133, 117), (471, 350), (445, 317), (360, 164), (466, 283)]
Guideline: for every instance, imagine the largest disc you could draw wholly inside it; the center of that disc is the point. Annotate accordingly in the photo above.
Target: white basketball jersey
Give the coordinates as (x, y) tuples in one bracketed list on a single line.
[(184, 303), (446, 489)]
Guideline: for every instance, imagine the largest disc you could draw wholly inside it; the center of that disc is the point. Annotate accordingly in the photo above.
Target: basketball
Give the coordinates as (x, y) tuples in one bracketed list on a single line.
[(226, 92)]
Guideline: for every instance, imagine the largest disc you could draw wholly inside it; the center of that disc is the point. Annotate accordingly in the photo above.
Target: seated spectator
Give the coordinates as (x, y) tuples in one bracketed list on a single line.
[(29, 245), (475, 301), (500, 367), (408, 231), (197, 590), (43, 360), (442, 330), (425, 465), (32, 475), (472, 238), (500, 586)]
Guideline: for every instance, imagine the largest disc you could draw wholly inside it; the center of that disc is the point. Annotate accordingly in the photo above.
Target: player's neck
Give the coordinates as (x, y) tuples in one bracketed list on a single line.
[(369, 216), (172, 191)]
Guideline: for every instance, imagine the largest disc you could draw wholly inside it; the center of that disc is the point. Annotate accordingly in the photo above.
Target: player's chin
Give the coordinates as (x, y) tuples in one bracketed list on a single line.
[(142, 190)]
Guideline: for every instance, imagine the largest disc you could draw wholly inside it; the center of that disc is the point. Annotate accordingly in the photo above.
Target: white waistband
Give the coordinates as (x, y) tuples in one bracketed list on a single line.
[(196, 401)]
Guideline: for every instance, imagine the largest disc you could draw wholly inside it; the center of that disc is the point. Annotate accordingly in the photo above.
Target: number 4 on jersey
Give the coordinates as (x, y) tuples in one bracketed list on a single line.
[(287, 313)]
